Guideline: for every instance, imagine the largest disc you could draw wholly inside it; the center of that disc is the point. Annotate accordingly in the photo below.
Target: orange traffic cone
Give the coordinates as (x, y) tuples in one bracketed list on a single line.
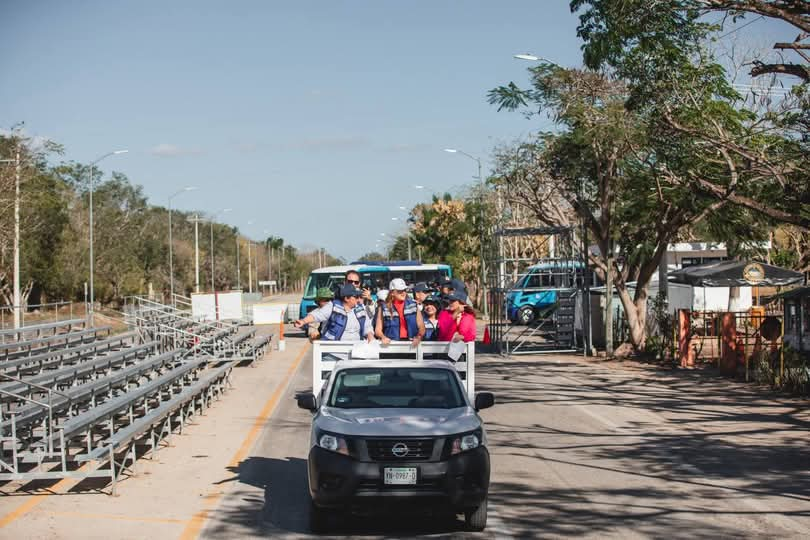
[(487, 340)]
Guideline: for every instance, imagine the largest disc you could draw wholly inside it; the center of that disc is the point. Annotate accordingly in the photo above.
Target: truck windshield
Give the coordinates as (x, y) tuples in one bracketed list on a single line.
[(410, 388)]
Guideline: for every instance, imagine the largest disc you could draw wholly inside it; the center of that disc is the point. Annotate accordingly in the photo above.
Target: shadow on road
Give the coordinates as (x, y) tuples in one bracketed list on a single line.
[(285, 507), (712, 447)]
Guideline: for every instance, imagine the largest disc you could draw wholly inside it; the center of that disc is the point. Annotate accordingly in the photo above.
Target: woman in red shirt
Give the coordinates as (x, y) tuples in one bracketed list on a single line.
[(457, 322)]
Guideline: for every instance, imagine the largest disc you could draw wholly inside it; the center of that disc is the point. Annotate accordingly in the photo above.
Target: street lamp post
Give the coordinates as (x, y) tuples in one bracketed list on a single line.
[(213, 219), (196, 219), (408, 231), (407, 235), (92, 289), (238, 271), (586, 297), (269, 259), (483, 264), (250, 269), (171, 257)]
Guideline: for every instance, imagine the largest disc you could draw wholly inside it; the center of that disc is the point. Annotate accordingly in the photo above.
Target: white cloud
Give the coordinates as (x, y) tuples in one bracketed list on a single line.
[(409, 147), (328, 143), (172, 150)]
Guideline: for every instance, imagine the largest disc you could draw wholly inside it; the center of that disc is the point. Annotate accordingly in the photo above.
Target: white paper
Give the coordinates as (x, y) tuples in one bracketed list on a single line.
[(457, 348), (366, 350)]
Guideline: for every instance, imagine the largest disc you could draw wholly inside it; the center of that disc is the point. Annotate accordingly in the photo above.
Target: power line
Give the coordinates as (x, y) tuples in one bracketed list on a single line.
[(741, 27)]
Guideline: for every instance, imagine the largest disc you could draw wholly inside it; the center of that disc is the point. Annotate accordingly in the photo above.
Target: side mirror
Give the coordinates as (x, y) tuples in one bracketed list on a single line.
[(307, 401), (484, 400)]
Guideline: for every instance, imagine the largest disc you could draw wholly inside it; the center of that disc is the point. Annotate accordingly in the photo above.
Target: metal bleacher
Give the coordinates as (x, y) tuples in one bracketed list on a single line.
[(69, 355), (78, 402), (29, 347)]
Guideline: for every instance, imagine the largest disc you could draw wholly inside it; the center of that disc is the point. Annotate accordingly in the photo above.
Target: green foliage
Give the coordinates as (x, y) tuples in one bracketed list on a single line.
[(130, 236), (766, 368), (372, 256)]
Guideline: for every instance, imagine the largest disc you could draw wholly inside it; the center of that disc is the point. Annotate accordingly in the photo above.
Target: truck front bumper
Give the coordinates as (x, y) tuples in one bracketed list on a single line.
[(339, 481)]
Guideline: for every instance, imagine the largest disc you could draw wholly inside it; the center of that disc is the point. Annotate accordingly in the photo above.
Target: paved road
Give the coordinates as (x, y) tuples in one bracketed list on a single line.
[(578, 449)]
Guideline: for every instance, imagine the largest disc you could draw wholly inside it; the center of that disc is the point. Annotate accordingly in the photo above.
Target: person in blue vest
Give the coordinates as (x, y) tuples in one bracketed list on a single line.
[(344, 319), (430, 312), (420, 292), (400, 318)]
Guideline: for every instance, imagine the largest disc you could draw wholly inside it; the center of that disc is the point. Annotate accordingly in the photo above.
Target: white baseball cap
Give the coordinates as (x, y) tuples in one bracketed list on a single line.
[(382, 294), (398, 284)]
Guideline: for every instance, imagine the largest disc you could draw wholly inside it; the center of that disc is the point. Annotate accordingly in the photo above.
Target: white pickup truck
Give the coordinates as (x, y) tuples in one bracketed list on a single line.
[(393, 432)]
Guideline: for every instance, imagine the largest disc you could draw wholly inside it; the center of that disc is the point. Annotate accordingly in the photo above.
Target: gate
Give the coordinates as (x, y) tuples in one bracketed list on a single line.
[(536, 281)]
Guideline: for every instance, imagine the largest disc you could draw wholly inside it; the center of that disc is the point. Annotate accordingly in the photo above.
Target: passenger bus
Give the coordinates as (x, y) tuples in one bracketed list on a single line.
[(374, 275)]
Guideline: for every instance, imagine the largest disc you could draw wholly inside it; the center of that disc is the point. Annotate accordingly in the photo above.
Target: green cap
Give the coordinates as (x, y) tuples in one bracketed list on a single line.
[(324, 293)]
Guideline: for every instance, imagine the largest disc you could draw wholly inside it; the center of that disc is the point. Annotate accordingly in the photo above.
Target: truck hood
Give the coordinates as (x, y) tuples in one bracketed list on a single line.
[(397, 422)]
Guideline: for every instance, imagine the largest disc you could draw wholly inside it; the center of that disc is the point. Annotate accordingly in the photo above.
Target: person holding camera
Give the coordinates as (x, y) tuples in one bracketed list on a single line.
[(353, 278)]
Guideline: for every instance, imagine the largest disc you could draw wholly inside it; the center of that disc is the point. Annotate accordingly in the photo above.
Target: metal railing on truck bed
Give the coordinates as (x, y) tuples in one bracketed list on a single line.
[(323, 361)]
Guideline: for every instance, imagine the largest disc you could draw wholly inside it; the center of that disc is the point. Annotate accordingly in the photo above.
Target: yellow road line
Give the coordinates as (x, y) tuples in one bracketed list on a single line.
[(197, 522), (31, 503), (117, 517)]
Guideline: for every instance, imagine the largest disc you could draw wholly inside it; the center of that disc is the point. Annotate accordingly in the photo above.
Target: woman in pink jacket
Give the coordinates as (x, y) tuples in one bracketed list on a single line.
[(457, 322)]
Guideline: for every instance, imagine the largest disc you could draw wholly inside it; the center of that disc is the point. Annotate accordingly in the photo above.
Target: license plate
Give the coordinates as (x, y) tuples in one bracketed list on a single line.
[(400, 475)]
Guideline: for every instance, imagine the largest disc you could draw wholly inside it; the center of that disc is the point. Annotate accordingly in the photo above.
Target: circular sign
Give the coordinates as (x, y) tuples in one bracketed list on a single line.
[(400, 449), (754, 273)]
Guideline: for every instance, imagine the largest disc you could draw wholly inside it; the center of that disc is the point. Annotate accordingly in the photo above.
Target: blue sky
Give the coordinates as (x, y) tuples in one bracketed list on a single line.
[(313, 120)]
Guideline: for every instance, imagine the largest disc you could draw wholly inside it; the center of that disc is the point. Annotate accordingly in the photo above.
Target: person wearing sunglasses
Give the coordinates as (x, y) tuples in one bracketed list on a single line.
[(353, 278), (400, 318)]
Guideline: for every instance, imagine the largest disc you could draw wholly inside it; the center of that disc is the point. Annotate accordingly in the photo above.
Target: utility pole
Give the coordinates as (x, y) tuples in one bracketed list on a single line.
[(212, 256), (196, 221), (250, 269)]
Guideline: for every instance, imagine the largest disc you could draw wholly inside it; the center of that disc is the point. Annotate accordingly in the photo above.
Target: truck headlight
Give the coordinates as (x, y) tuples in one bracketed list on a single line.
[(462, 443), (333, 443)]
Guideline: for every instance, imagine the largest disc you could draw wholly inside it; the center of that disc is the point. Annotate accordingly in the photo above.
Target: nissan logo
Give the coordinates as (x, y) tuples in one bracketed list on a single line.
[(400, 449)]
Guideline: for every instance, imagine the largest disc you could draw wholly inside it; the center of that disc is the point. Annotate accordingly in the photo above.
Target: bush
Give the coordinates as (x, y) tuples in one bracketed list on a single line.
[(766, 367)]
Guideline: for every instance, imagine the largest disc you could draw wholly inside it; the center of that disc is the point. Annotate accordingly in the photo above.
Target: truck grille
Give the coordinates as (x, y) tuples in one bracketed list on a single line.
[(386, 449)]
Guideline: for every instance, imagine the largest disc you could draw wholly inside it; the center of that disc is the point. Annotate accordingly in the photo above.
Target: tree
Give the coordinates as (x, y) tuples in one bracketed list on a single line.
[(622, 169), (611, 28), (447, 231), (372, 256), (653, 49), (41, 215)]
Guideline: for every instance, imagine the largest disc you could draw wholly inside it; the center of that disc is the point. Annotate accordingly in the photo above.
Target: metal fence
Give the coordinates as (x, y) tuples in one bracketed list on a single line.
[(36, 313), (754, 340)]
